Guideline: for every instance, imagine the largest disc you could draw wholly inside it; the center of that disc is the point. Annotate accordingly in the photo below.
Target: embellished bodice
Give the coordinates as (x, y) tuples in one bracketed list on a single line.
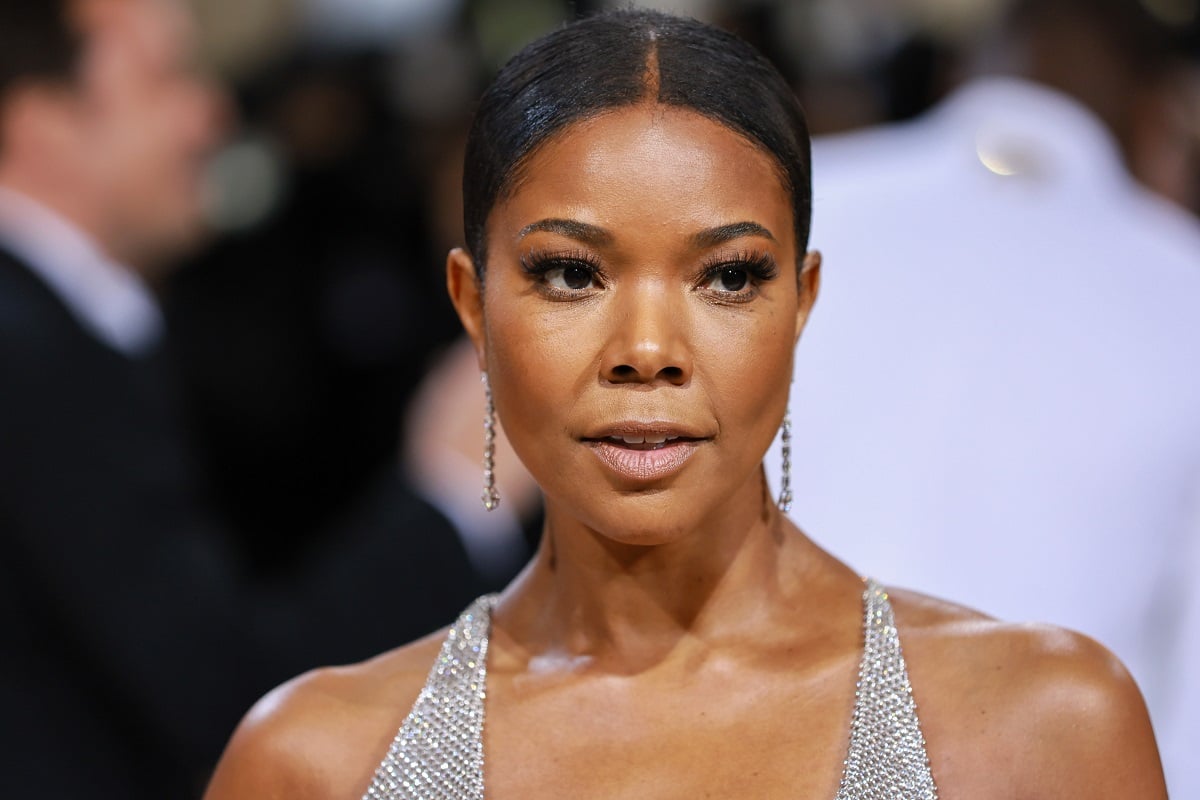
[(438, 753)]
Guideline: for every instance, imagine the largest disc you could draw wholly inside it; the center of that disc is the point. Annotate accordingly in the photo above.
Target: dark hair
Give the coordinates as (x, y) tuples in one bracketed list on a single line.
[(618, 59), (37, 42)]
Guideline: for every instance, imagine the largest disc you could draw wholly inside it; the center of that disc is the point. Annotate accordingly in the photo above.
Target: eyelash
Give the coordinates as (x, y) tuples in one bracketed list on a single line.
[(539, 265), (759, 267)]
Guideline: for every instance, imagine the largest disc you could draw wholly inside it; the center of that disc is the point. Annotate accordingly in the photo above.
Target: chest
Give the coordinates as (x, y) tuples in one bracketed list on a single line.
[(779, 736), (705, 733)]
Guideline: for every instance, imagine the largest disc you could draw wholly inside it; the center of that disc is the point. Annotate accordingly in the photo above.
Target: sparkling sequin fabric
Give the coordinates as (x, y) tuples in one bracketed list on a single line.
[(887, 758), (438, 753)]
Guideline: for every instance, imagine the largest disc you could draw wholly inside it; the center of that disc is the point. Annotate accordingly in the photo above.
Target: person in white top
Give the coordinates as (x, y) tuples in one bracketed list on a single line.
[(998, 396)]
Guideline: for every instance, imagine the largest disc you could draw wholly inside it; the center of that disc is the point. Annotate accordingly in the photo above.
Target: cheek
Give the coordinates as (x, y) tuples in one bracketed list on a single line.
[(169, 172), (131, 139), (745, 365), (539, 363)]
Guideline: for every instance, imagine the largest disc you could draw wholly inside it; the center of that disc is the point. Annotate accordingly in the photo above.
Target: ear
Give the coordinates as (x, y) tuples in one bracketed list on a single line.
[(810, 284), (466, 294)]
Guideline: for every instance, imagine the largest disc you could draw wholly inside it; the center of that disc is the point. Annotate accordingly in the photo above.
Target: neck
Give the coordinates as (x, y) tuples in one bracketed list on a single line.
[(625, 608)]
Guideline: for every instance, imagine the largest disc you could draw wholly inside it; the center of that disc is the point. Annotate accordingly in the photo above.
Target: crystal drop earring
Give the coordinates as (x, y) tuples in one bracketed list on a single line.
[(785, 482), (490, 497)]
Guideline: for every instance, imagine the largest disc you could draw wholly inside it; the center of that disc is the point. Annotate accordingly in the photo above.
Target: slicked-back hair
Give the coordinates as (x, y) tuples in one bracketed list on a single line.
[(619, 59), (37, 42)]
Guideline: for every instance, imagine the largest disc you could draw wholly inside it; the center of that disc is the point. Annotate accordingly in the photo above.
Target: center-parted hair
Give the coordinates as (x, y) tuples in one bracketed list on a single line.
[(620, 59)]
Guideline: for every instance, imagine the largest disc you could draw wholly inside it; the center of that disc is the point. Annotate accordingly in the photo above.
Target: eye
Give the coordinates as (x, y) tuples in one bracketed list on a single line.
[(737, 279), (572, 277), (563, 276), (729, 279)]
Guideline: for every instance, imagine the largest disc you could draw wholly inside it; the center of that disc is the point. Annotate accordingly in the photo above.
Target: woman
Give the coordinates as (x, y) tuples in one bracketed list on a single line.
[(637, 208)]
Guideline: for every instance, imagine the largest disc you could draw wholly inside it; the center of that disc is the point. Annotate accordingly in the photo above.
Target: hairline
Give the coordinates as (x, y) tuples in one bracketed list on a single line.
[(518, 173)]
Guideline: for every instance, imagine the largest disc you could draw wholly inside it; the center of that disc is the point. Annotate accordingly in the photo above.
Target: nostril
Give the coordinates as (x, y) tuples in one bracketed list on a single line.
[(673, 374), (624, 371), (629, 373)]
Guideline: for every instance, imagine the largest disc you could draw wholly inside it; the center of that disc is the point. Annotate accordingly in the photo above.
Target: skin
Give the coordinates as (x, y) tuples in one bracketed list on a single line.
[(120, 150), (680, 637)]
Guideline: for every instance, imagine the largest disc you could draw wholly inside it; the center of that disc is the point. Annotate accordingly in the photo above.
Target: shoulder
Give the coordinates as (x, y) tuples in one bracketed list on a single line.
[(35, 325), (1008, 658), (1054, 709), (322, 735)]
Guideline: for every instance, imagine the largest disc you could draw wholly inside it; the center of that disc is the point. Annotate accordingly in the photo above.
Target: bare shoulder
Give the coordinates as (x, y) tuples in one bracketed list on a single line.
[(1028, 710), (322, 735), (1011, 659)]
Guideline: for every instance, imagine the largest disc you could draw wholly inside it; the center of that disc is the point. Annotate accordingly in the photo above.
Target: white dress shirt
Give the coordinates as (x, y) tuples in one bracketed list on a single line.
[(108, 299), (997, 400)]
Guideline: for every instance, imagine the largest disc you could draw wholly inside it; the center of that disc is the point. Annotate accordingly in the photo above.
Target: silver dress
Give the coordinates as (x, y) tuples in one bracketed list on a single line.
[(438, 753)]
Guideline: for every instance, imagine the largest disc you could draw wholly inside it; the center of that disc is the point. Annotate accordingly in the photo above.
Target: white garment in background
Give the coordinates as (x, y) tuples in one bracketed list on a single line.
[(997, 400)]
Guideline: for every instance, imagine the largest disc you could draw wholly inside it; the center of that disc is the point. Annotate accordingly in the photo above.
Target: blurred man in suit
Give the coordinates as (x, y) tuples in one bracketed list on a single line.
[(131, 641)]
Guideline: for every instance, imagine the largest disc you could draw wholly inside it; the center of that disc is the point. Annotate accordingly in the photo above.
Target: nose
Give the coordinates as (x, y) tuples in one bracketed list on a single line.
[(648, 343)]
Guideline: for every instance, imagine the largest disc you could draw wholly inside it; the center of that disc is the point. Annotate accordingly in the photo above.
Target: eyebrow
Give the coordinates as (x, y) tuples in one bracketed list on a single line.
[(582, 231), (595, 235), (726, 233)]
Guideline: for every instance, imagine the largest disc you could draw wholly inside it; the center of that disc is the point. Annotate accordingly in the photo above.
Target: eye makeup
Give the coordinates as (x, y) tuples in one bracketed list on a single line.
[(563, 275), (573, 274), (737, 279)]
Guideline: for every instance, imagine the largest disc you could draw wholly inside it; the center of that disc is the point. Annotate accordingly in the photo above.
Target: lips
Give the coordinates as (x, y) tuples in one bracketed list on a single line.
[(650, 441), (644, 453)]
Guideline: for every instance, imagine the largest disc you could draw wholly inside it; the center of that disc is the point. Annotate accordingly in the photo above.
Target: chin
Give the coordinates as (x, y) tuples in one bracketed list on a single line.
[(645, 521), (643, 537)]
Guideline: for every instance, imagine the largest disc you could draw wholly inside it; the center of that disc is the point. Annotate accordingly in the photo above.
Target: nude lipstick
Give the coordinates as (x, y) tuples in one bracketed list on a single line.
[(644, 453)]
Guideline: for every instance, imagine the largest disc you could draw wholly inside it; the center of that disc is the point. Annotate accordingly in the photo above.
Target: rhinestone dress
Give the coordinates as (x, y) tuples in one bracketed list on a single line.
[(438, 753)]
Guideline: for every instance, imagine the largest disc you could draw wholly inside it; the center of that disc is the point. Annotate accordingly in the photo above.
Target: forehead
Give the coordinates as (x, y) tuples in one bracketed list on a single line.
[(649, 166)]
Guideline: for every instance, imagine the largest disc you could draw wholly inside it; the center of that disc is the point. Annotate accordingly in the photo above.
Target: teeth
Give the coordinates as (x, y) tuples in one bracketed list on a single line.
[(651, 438)]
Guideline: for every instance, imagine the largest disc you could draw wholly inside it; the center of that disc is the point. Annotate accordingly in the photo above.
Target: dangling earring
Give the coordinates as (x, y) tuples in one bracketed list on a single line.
[(490, 497), (785, 483)]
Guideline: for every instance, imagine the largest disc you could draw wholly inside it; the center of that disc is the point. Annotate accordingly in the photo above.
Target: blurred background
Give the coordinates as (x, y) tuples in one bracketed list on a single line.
[(313, 341)]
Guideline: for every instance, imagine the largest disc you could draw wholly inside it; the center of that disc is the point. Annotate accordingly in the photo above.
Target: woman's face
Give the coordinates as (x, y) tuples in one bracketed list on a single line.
[(638, 318)]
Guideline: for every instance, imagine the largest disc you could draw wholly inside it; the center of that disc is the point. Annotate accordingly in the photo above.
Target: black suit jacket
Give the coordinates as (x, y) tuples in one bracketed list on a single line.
[(131, 639)]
